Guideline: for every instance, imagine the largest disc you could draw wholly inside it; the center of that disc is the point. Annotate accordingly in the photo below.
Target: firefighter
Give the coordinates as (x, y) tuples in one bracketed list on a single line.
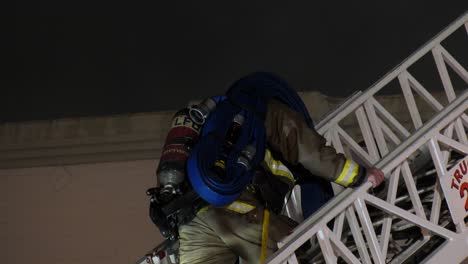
[(247, 151)]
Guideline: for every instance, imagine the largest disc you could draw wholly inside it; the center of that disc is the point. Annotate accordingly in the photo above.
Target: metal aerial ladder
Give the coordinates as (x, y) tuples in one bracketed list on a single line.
[(421, 218)]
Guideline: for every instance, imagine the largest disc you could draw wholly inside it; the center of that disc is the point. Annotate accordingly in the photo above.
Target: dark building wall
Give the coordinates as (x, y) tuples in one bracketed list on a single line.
[(93, 213)]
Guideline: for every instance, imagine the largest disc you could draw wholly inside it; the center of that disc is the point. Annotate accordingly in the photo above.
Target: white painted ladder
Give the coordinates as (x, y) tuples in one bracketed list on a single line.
[(395, 148)]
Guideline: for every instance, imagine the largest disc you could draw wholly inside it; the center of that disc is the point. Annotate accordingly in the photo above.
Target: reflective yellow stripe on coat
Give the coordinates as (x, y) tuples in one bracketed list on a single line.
[(349, 172), (277, 167), (236, 206), (240, 207)]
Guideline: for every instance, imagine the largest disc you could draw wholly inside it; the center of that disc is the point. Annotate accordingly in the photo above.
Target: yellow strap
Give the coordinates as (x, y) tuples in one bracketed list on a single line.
[(349, 172), (277, 167), (266, 222)]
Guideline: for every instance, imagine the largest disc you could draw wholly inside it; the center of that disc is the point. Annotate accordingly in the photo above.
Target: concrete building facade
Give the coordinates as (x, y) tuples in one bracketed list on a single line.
[(73, 190)]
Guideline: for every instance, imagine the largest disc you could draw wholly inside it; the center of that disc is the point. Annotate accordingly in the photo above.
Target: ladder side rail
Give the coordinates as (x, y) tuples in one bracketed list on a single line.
[(373, 128), (376, 129), (338, 134), (357, 100), (439, 122), (390, 162)]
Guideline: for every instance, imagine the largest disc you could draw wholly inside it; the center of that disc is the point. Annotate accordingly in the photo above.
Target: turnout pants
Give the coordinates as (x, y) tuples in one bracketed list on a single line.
[(221, 236)]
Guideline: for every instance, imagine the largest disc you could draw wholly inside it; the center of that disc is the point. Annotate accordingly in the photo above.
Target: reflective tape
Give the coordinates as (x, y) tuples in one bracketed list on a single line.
[(204, 209), (240, 207), (236, 206), (277, 167), (349, 172)]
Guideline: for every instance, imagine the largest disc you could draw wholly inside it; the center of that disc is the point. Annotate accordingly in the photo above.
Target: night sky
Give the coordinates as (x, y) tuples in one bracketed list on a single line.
[(68, 61)]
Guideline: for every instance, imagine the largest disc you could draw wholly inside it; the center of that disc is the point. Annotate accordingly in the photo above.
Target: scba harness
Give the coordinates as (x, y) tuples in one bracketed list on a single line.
[(231, 145)]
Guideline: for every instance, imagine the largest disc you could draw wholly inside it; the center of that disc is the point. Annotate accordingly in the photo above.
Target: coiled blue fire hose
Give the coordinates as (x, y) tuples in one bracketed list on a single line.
[(249, 97)]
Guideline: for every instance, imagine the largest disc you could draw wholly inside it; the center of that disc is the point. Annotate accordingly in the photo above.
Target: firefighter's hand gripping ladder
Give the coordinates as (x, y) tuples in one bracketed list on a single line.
[(433, 216)]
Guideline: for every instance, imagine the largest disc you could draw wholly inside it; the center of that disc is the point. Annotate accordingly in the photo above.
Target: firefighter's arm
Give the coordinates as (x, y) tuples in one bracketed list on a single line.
[(288, 134)]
